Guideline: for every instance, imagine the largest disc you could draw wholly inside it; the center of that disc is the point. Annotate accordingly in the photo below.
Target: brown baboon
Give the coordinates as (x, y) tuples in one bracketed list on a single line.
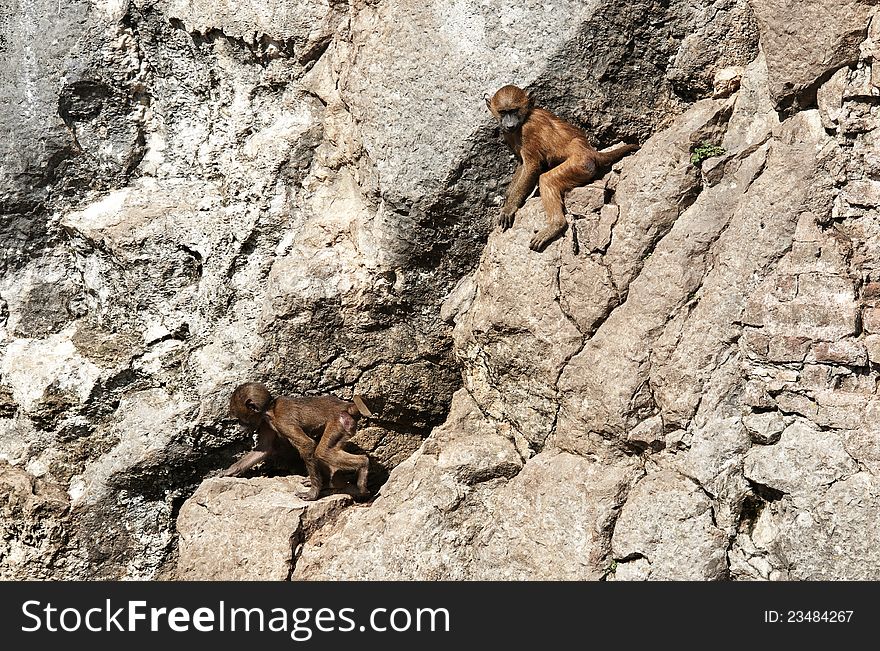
[(318, 427), (552, 154)]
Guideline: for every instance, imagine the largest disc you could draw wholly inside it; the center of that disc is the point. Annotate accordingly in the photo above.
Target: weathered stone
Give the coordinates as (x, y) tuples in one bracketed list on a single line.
[(755, 395), (825, 35), (595, 234), (764, 427), (776, 378), (651, 202), (803, 457), (667, 522), (863, 193), (830, 98), (858, 118), (786, 286), (696, 359), (726, 81), (677, 439), (733, 29), (846, 351), (871, 320), (305, 31), (863, 443), (788, 349), (820, 530), (818, 377), (199, 195), (714, 460), (860, 87), (839, 527), (517, 335), (474, 522), (234, 529), (586, 200), (850, 382), (33, 526), (871, 290), (841, 409), (825, 308), (648, 433), (590, 402), (872, 344), (755, 342), (459, 300), (795, 403)]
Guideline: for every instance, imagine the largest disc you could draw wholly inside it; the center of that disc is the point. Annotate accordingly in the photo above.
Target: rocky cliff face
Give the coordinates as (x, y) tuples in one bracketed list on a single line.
[(196, 194)]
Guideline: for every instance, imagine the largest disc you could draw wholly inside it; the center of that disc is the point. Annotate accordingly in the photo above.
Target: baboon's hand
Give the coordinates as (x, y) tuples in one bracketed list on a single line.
[(505, 218)]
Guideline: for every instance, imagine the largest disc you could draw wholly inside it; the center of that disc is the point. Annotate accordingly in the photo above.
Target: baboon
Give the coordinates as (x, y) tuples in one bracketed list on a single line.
[(318, 427), (552, 154)]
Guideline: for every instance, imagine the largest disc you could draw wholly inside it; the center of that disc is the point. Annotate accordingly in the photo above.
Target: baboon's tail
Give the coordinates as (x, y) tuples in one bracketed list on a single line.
[(610, 157), (361, 406)]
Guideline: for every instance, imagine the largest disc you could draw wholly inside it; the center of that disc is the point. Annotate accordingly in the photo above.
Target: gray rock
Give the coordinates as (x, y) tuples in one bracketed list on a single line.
[(764, 427), (461, 507), (666, 527), (304, 195), (34, 518), (235, 529), (802, 43), (804, 456)]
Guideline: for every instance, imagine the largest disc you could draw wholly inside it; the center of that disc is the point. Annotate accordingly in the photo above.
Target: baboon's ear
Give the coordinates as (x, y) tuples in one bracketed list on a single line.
[(488, 100), (250, 405)]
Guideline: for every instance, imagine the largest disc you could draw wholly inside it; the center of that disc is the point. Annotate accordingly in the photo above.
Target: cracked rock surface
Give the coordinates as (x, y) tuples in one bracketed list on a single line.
[(708, 358), (234, 529), (684, 386)]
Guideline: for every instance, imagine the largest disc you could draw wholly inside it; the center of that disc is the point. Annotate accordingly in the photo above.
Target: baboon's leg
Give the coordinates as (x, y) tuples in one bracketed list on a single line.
[(521, 186), (342, 460), (330, 452), (306, 448), (554, 184)]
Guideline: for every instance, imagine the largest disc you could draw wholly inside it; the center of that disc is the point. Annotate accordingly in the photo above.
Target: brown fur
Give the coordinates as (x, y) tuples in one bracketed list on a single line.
[(318, 427), (553, 154)]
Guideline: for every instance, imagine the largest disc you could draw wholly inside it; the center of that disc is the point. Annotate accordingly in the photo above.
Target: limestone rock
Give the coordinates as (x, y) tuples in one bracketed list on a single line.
[(198, 193), (460, 509), (765, 427), (34, 515), (234, 529), (804, 456), (727, 81), (803, 42), (830, 98), (667, 523)]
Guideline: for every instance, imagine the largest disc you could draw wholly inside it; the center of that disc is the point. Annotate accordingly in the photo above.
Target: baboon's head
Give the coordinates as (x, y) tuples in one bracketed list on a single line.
[(511, 106), (249, 402)]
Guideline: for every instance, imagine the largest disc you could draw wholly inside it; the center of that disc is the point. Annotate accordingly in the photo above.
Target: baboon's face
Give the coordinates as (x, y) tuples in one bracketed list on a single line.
[(510, 120), (510, 106)]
